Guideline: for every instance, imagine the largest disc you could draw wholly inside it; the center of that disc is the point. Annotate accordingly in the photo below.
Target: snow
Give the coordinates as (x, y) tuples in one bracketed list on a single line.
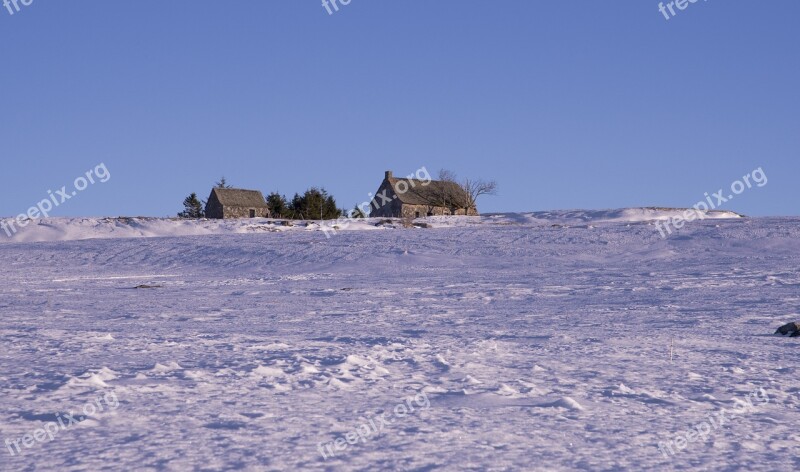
[(72, 229), (542, 341)]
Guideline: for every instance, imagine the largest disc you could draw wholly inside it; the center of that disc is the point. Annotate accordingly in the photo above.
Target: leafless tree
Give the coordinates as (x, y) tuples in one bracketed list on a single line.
[(447, 175), (463, 195), (453, 194), (449, 195), (474, 188)]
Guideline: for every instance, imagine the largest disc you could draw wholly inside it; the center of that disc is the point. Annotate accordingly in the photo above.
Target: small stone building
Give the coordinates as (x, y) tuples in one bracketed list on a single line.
[(414, 198), (225, 203)]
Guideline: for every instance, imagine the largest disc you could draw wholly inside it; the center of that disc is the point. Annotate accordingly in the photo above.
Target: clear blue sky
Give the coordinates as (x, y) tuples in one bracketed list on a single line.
[(567, 104)]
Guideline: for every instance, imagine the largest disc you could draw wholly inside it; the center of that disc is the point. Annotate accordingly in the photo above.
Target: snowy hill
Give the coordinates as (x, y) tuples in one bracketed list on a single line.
[(71, 229), (537, 341)]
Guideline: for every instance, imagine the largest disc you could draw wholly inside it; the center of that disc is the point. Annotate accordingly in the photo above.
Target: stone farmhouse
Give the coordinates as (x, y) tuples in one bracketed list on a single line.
[(414, 198), (225, 203)]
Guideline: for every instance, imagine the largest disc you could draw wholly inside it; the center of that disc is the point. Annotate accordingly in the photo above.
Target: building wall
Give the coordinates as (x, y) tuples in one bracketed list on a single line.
[(410, 211), (214, 208), (392, 209), (244, 212)]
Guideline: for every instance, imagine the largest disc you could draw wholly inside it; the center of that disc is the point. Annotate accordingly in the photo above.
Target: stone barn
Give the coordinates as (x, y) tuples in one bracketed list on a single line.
[(225, 203), (414, 198)]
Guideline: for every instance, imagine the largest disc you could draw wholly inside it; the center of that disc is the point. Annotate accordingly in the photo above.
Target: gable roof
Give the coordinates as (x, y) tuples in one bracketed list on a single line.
[(423, 192), (237, 197)]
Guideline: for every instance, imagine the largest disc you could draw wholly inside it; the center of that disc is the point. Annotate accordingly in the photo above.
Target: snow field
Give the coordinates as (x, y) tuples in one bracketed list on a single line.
[(539, 347)]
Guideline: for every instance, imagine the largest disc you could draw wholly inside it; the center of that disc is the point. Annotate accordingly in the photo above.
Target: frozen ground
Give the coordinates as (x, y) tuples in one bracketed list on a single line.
[(548, 341), (71, 229)]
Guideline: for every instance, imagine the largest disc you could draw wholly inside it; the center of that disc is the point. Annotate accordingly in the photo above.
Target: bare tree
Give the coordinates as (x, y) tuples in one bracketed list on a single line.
[(449, 195), (463, 195), (474, 188), (447, 175), (455, 195)]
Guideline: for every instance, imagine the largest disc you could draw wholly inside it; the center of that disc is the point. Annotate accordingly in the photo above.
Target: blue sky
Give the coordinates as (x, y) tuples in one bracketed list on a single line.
[(567, 104)]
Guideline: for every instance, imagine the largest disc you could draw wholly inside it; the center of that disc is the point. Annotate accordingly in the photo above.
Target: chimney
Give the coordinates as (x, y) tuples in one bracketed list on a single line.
[(388, 174)]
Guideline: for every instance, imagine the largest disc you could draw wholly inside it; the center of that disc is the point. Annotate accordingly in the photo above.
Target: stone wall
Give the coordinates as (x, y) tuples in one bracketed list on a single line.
[(214, 208), (389, 210), (411, 211), (244, 212)]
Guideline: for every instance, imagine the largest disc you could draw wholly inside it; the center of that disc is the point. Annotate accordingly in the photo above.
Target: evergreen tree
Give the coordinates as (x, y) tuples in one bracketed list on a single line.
[(278, 206), (296, 207), (315, 204), (329, 209), (192, 207), (357, 212), (222, 183)]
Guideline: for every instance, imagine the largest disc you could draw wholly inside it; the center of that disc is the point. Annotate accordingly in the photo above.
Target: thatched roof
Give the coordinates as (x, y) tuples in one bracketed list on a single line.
[(422, 192), (237, 197)]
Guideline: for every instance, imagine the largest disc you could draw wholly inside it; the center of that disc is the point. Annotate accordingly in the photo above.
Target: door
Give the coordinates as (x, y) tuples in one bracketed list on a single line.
[(252, 213)]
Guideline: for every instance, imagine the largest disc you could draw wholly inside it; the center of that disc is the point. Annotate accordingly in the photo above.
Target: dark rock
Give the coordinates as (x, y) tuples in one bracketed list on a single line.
[(792, 329)]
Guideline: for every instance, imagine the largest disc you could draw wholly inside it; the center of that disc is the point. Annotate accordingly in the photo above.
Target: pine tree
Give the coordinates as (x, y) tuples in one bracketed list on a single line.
[(222, 183), (296, 207), (192, 207), (330, 210), (278, 206), (357, 212), (314, 204)]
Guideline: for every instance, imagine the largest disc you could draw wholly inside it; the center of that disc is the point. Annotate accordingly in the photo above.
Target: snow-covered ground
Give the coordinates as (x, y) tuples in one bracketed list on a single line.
[(70, 229), (539, 341)]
